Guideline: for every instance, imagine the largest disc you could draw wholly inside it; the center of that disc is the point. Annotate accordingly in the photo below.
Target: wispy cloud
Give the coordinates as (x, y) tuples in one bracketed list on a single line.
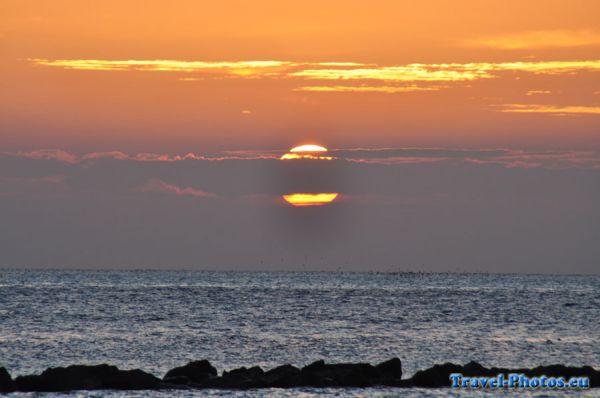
[(542, 159), (237, 68), (71, 158), (553, 109), (379, 156), (416, 72), (403, 73), (452, 72), (45, 154), (160, 186), (537, 92), (10, 186), (366, 89), (538, 39)]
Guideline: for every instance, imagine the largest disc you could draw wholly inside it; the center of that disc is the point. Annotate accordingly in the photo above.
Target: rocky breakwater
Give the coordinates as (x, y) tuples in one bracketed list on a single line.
[(202, 375)]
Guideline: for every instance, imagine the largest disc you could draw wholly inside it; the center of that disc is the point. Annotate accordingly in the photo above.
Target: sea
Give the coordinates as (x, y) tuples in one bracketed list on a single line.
[(157, 320)]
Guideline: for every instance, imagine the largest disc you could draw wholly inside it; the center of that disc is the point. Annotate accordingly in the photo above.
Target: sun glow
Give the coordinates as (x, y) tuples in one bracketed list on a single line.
[(309, 148), (302, 199), (310, 199), (308, 151)]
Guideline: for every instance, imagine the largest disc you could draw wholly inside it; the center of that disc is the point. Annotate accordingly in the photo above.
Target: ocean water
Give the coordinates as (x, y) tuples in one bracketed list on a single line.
[(156, 320)]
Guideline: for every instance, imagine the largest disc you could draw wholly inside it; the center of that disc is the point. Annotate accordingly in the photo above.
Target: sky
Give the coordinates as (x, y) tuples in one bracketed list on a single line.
[(461, 136)]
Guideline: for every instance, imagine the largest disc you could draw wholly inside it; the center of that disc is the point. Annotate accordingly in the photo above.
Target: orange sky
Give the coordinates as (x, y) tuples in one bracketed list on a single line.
[(184, 76)]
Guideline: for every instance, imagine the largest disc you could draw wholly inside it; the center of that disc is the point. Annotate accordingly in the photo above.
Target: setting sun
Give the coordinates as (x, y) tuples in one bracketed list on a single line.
[(308, 151), (310, 199), (309, 148)]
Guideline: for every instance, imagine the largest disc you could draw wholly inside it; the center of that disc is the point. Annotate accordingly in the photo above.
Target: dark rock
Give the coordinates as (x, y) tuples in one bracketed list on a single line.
[(284, 376), (436, 376), (319, 374), (566, 371), (83, 377), (352, 374), (177, 380), (201, 374), (390, 369), (6, 382), (253, 372), (439, 375), (195, 371), (30, 383), (243, 378), (135, 379), (316, 365), (475, 368), (314, 375)]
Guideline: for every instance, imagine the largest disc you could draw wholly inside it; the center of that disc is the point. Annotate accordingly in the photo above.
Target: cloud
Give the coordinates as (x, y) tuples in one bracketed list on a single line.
[(542, 159), (10, 186), (537, 92), (442, 207), (332, 71), (366, 89), (381, 156), (538, 39), (552, 109), (45, 154), (160, 186), (452, 72), (71, 158), (236, 68)]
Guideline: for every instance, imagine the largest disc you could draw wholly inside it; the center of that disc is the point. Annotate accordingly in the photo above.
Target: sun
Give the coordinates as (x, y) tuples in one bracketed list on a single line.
[(305, 199), (310, 199), (309, 148), (307, 151)]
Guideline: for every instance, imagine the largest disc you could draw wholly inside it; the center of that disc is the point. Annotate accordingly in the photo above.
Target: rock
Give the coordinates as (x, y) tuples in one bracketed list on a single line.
[(177, 380), (436, 376), (439, 375), (352, 374), (475, 368), (566, 371), (390, 369), (284, 376), (243, 378), (315, 366), (30, 383), (253, 372), (314, 375), (201, 374), (195, 371), (135, 379), (319, 374), (84, 377), (6, 382)]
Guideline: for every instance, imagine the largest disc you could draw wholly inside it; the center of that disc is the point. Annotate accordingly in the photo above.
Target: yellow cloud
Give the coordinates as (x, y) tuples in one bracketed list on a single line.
[(406, 73), (537, 92), (366, 89), (538, 39), (237, 68), (447, 72), (368, 77), (554, 109)]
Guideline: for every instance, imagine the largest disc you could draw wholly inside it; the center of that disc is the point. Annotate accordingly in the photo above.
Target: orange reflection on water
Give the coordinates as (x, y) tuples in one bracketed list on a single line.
[(309, 199)]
